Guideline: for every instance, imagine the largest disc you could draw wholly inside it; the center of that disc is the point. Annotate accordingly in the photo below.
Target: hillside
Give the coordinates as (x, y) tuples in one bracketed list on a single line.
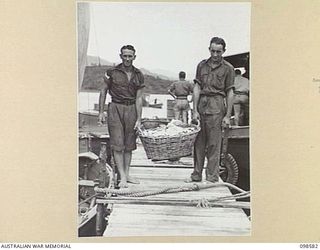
[(93, 80), (157, 73), (94, 61)]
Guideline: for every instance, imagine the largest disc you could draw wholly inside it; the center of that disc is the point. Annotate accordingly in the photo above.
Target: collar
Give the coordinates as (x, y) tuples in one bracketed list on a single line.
[(218, 65), (121, 68)]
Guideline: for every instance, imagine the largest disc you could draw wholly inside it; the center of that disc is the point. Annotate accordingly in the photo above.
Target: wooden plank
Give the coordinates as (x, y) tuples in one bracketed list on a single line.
[(178, 221), (199, 226), (176, 211), (87, 183), (183, 230), (179, 203), (181, 222), (239, 132), (167, 220)]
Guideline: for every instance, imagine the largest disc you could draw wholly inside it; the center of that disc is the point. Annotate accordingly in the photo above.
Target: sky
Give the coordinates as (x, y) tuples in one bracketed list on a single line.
[(168, 37)]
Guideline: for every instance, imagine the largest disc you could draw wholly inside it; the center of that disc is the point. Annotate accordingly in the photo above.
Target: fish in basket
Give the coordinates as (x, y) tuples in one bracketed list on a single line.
[(173, 140)]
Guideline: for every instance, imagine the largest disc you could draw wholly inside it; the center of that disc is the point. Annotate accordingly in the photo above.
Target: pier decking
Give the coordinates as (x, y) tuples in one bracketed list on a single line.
[(173, 219)]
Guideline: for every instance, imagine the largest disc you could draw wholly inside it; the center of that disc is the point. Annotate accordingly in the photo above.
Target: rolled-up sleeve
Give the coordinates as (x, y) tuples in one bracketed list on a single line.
[(140, 84), (197, 80), (172, 87), (106, 77)]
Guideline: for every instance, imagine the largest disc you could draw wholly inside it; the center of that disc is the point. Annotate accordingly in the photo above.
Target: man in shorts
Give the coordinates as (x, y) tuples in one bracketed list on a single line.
[(180, 91), (125, 84), (241, 97), (212, 104)]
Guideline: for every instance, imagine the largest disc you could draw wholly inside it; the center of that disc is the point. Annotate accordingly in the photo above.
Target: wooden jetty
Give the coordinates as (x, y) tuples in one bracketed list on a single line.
[(173, 214)]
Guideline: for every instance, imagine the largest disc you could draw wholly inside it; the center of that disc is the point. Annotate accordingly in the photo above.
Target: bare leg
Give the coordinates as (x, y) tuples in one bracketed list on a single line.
[(127, 162), (241, 115), (119, 159), (185, 116), (236, 108), (177, 115)]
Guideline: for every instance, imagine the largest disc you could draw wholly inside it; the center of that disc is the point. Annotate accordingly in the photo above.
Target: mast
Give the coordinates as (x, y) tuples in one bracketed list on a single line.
[(83, 39)]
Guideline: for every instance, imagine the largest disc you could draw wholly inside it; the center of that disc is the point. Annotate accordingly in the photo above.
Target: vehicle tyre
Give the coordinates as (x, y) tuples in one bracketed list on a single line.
[(230, 172)]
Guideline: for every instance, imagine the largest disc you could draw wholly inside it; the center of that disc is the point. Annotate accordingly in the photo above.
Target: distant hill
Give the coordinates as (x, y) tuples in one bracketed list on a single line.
[(168, 74), (158, 73), (94, 61), (93, 80)]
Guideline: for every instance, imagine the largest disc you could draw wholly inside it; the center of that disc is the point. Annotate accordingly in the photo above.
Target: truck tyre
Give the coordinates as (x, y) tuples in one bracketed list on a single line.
[(230, 172)]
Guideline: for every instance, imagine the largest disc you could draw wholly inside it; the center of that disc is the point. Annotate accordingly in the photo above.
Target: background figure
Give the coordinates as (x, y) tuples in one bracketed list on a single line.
[(124, 83), (180, 91), (241, 97), (214, 84)]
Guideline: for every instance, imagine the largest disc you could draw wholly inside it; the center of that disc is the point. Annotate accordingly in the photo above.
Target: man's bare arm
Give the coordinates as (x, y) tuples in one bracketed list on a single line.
[(102, 101), (139, 107), (229, 102), (195, 97)]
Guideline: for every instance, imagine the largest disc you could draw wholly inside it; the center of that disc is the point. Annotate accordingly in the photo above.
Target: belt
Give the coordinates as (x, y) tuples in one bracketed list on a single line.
[(181, 97), (211, 95), (125, 102), (241, 93)]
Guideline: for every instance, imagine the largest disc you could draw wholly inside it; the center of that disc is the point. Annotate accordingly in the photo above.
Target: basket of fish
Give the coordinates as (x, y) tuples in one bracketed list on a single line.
[(173, 140)]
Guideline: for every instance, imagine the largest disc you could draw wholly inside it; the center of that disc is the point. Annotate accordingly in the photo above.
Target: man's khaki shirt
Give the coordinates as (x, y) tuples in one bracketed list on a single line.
[(120, 87), (181, 88), (214, 82)]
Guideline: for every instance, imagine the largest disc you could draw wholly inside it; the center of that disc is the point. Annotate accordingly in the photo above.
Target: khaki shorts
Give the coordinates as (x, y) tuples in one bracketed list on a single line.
[(181, 105), (121, 120), (240, 99)]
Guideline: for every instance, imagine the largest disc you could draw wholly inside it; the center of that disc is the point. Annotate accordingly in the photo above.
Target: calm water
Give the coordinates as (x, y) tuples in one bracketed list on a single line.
[(88, 99)]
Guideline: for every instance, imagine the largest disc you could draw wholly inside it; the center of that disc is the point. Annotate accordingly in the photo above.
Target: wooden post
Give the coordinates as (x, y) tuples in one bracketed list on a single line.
[(101, 206), (92, 202), (100, 219)]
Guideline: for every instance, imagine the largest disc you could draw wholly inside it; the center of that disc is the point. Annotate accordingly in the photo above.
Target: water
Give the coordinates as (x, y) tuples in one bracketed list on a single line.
[(88, 99)]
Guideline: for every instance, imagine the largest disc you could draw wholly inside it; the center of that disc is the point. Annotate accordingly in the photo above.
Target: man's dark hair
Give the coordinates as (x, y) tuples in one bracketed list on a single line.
[(218, 40), (129, 47), (237, 71), (182, 74)]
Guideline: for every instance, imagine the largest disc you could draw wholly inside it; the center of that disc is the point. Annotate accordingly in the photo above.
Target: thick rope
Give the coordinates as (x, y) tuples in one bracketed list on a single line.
[(139, 193), (172, 189), (204, 203), (165, 191), (232, 197)]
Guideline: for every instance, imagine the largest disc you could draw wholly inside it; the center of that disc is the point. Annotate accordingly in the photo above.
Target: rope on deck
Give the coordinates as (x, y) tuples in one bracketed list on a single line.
[(203, 203), (171, 189), (136, 196)]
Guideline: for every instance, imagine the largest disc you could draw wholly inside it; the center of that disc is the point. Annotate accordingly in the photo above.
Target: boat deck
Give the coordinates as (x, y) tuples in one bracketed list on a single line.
[(168, 218)]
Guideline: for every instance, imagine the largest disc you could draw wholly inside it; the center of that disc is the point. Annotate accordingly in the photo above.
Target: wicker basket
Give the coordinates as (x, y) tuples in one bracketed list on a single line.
[(165, 148)]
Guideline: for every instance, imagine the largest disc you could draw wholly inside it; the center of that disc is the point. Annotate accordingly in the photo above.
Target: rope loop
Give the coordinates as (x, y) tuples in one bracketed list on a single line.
[(195, 187)]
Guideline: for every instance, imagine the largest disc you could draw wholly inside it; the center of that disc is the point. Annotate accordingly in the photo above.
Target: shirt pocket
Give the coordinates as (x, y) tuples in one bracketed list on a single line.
[(120, 79), (204, 80), (134, 84), (220, 78)]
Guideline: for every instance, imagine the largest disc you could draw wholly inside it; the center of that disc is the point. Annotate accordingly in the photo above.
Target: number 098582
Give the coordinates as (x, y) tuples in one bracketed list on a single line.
[(309, 246)]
